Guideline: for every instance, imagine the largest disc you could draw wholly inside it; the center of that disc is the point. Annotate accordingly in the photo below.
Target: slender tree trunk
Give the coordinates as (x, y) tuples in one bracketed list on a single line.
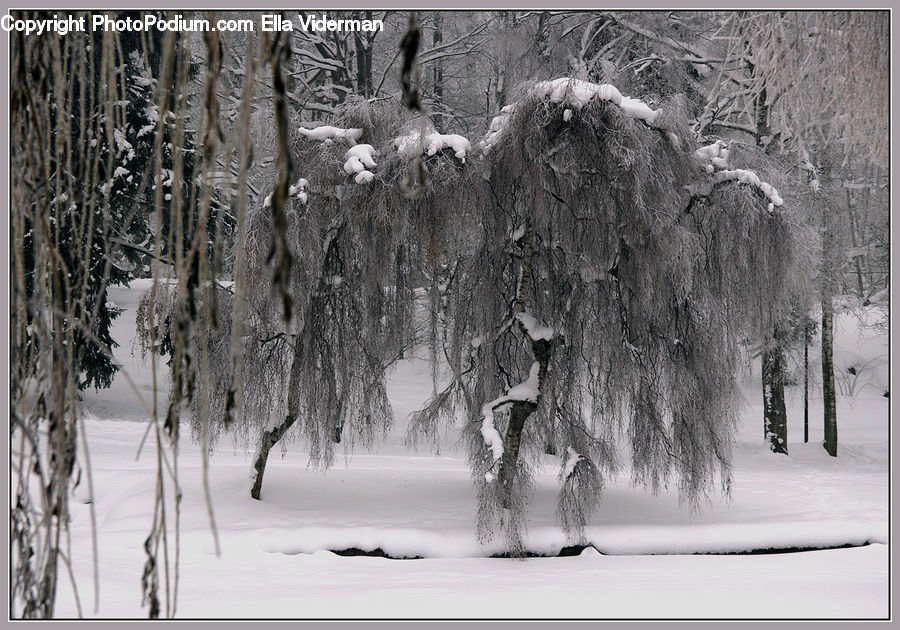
[(774, 413), (517, 417), (271, 437), (806, 383), (854, 242), (437, 70), (773, 364), (542, 349), (363, 46), (828, 393)]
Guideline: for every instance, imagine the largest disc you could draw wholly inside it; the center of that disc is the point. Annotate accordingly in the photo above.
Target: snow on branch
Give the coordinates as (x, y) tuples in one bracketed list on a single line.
[(491, 438), (533, 328), (297, 190), (527, 391), (749, 177), (358, 160), (715, 156), (574, 94), (415, 143), (327, 132)]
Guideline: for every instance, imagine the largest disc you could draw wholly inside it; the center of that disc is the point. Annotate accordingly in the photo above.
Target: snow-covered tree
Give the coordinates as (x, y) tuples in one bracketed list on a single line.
[(602, 305)]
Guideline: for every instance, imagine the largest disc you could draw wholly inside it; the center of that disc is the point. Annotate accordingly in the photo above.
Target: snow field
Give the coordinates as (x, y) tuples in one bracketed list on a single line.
[(411, 503)]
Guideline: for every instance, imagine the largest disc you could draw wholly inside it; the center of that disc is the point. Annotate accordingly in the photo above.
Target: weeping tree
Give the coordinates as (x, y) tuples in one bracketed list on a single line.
[(603, 303), (361, 234), (369, 220)]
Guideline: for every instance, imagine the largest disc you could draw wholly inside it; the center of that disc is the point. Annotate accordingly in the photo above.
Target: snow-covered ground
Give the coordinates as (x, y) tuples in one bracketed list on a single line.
[(275, 563)]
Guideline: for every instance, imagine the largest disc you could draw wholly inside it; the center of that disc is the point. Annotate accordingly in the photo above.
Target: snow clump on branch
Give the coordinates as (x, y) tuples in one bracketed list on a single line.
[(571, 461), (327, 132), (359, 160), (430, 142), (297, 190), (716, 157), (534, 328)]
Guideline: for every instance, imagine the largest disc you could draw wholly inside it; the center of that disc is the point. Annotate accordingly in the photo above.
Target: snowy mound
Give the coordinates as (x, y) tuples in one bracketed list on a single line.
[(359, 160)]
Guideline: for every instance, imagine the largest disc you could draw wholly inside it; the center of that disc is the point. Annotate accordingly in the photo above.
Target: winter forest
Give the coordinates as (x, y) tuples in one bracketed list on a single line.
[(449, 314)]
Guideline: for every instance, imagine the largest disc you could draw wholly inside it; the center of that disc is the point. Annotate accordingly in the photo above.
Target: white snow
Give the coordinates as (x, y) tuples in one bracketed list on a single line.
[(491, 436), (534, 328), (430, 142), (710, 151), (298, 187), (638, 109), (359, 158), (496, 128), (297, 190), (576, 92), (327, 132), (526, 391), (122, 145), (519, 233), (274, 561), (715, 157), (363, 177), (749, 177)]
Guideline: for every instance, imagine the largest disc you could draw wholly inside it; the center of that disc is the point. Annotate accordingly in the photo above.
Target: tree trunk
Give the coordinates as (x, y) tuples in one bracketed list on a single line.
[(828, 275), (774, 413), (363, 49), (271, 437), (517, 416), (437, 71), (806, 383), (828, 394), (854, 242), (542, 349), (773, 364)]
